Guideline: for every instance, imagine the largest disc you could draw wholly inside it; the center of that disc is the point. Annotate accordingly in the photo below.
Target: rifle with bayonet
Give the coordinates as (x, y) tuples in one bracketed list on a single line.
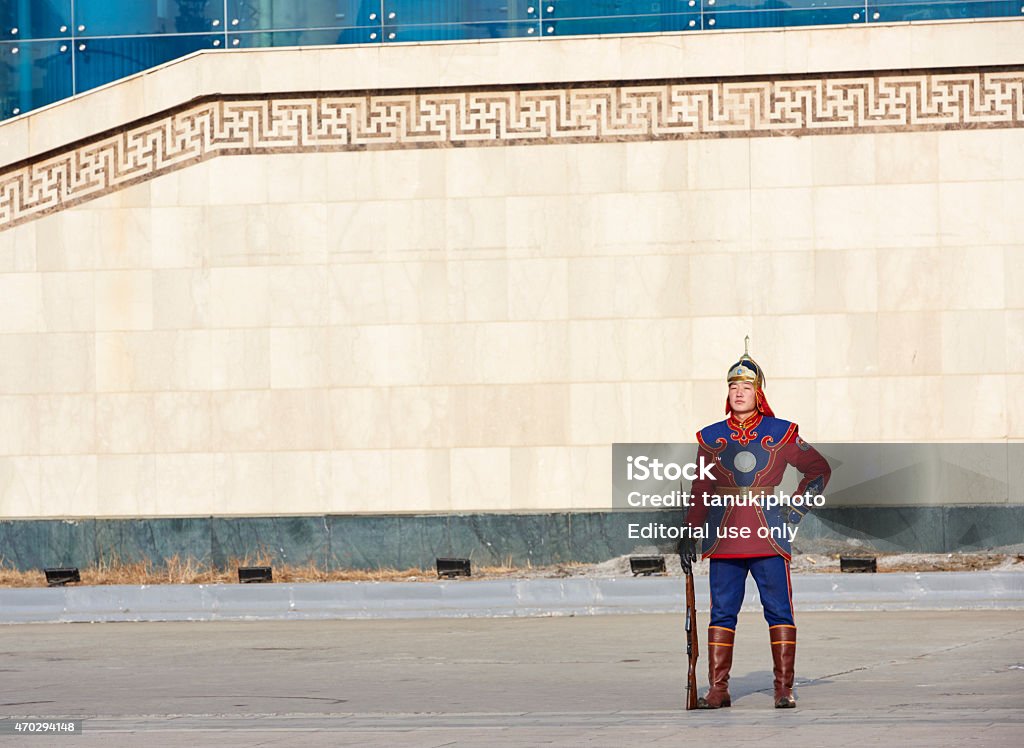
[(687, 555)]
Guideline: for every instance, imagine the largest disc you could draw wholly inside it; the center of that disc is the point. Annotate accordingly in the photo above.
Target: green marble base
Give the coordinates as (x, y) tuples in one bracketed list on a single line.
[(408, 541)]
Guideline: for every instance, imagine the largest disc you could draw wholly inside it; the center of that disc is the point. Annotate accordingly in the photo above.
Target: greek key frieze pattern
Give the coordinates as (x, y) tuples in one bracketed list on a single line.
[(338, 122)]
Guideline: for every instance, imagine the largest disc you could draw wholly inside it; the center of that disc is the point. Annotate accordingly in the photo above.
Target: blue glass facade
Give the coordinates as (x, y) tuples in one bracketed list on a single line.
[(51, 49)]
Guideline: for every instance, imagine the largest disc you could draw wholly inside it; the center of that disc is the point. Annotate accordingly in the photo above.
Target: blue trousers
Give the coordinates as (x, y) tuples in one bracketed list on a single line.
[(729, 577)]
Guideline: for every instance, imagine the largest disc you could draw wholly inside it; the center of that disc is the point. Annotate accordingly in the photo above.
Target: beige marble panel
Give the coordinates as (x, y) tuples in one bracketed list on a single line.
[(360, 480), (637, 286), (20, 487), (782, 282), (18, 248), (125, 424), (399, 292), (492, 353), (843, 160), (551, 225), (240, 297), (404, 417), (782, 219), (153, 361), (781, 162), (541, 478), (481, 479), (718, 343), (471, 226), (360, 417), (846, 345), (180, 233), (715, 220), (844, 218), (657, 412), (182, 422), (631, 224), (67, 424), (974, 407), (124, 300), (240, 359), (238, 180), (183, 485), (299, 357), (1014, 321), (974, 277), (656, 166), (294, 234), (420, 481), (966, 210), (67, 363), (68, 301), (536, 170), (21, 303), (234, 235), (242, 421), (971, 155), (629, 349), (1014, 406), (126, 242), (718, 164), (793, 400), (974, 342), (848, 409), (244, 483), (907, 215), (301, 482), (181, 299), (591, 477), (477, 172), (299, 420), (596, 167), (299, 295), (784, 346), (722, 283), (68, 486), (538, 289), (909, 343), (911, 280), (124, 486), (478, 290), (914, 408), (905, 160), (19, 425), (846, 281), (300, 178), (508, 415), (599, 413)]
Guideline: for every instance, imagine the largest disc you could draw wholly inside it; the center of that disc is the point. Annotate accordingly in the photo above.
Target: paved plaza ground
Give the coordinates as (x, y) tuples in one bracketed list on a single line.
[(902, 679)]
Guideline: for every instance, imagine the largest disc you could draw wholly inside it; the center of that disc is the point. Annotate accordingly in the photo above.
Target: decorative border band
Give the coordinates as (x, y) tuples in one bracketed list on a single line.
[(903, 101)]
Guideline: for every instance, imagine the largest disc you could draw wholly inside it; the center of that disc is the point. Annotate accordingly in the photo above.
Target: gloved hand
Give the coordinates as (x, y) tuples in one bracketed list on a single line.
[(687, 551)]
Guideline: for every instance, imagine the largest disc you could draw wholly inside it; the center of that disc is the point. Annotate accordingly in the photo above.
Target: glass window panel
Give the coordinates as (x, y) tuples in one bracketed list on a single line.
[(441, 31), (34, 19), (775, 6), (304, 14), (109, 18), (622, 24), (105, 60), (33, 74), (441, 12), (316, 37), (756, 19), (900, 10), (606, 8)]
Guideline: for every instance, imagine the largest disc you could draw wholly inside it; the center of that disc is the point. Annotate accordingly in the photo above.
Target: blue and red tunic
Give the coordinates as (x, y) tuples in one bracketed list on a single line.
[(750, 457)]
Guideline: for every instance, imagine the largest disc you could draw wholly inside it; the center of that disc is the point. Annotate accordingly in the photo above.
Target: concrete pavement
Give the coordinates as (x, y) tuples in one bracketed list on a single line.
[(902, 678)]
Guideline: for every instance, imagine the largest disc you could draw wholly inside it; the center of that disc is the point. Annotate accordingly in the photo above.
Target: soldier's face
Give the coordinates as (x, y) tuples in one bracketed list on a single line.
[(742, 398)]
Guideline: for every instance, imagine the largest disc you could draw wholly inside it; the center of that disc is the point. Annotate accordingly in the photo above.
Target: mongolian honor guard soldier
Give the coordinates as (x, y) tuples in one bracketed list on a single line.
[(745, 525)]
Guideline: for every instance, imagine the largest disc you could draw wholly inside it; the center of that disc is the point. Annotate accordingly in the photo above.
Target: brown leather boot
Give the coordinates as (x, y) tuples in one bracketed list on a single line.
[(784, 657), (719, 663)]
